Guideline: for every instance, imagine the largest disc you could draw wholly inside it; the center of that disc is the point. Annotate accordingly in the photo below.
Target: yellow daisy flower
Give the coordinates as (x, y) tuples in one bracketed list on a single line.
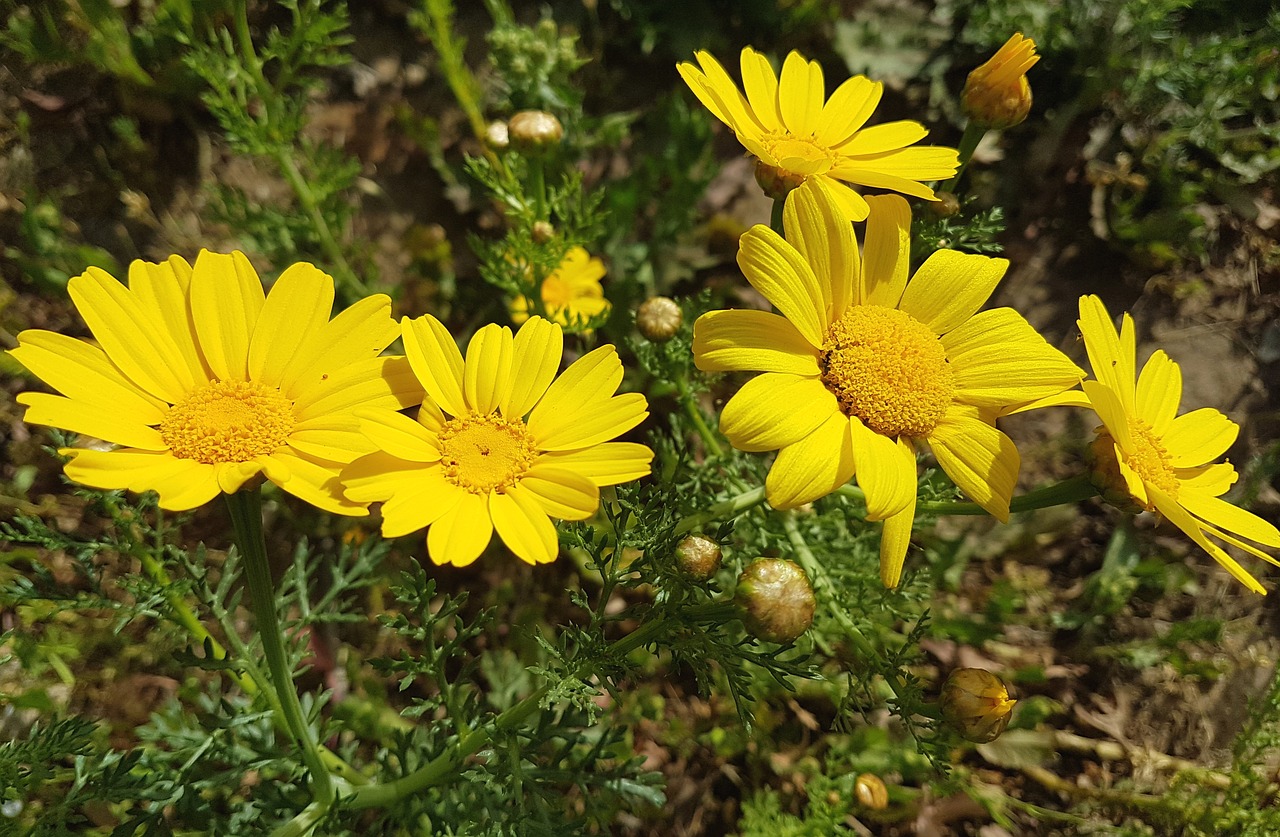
[(1162, 461), (500, 442), (572, 293), (785, 124), (203, 381), (863, 365)]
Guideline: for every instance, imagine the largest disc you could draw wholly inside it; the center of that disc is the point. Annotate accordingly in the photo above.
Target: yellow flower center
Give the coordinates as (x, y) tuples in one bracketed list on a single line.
[(486, 453), (800, 154), (888, 369), (1150, 459), (228, 421)]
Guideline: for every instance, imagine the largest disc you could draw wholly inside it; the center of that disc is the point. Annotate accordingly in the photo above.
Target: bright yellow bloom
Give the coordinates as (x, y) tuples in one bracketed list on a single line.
[(997, 94), (1164, 461), (863, 365), (571, 294), (786, 125), (204, 382), (500, 442)]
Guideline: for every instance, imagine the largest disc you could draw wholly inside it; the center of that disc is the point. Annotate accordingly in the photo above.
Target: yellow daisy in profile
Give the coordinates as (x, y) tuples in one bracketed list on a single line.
[(862, 365), (1163, 462), (500, 442), (203, 381), (571, 294), (798, 134)]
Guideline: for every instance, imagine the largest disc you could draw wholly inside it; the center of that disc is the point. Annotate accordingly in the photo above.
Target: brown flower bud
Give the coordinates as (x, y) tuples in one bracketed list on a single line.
[(776, 599), (659, 318), (871, 792), (976, 704), (997, 95), (945, 205), (497, 136), (542, 232), (777, 183), (698, 557), (534, 129)]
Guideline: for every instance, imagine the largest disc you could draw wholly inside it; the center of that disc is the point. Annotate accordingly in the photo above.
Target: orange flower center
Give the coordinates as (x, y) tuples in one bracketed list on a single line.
[(228, 421), (1149, 459), (888, 369), (486, 453)]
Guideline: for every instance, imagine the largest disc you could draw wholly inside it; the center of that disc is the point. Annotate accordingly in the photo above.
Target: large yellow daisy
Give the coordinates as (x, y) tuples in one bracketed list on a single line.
[(1162, 461), (785, 124), (202, 381), (571, 293), (500, 442), (862, 365)]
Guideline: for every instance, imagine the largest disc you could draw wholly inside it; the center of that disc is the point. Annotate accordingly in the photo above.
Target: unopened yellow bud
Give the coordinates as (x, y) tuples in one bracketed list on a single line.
[(534, 129), (871, 792), (698, 557), (659, 318), (997, 95), (976, 704), (776, 599)]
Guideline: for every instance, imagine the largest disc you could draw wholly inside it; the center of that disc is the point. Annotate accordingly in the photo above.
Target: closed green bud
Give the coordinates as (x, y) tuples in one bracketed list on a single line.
[(698, 557), (976, 704), (776, 599)]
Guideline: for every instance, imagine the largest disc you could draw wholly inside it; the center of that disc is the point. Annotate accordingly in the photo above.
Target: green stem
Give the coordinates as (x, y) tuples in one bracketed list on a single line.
[(973, 135), (446, 765), (699, 422), (775, 216), (722, 510), (246, 521), (459, 77), (538, 185), (1072, 490)]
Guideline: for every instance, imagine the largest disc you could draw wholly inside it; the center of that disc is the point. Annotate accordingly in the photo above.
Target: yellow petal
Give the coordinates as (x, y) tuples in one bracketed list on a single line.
[(1071, 398), (800, 94), (761, 85), (399, 435), (226, 299), (523, 526), (1112, 365), (355, 335), (585, 387), (539, 345), (731, 341), (1191, 527), (131, 336), (299, 304), (980, 459), (719, 94), (899, 170), (1107, 405), (1231, 518), (812, 467), (419, 503), (462, 533), (609, 463), (231, 476), (848, 109), (774, 410), (182, 484), (895, 538), (886, 471), (163, 289), (1159, 392), (563, 493), (379, 476), (889, 136), (436, 361), (950, 287), (82, 372), (336, 438), (817, 227), (998, 359), (117, 427), (597, 421), (1198, 437), (1213, 480), (780, 273), (486, 375), (377, 382), (887, 254)]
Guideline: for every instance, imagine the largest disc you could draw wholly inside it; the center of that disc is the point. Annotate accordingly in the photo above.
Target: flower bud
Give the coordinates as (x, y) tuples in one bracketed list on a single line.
[(496, 136), (871, 792), (944, 205), (776, 599), (534, 130), (976, 704), (542, 232), (698, 557), (777, 183), (997, 95), (659, 318)]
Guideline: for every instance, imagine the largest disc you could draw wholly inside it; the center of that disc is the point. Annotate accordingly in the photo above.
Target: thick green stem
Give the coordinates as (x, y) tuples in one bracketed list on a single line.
[(1068, 491), (446, 765), (722, 510), (246, 521), (968, 144), (775, 216)]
